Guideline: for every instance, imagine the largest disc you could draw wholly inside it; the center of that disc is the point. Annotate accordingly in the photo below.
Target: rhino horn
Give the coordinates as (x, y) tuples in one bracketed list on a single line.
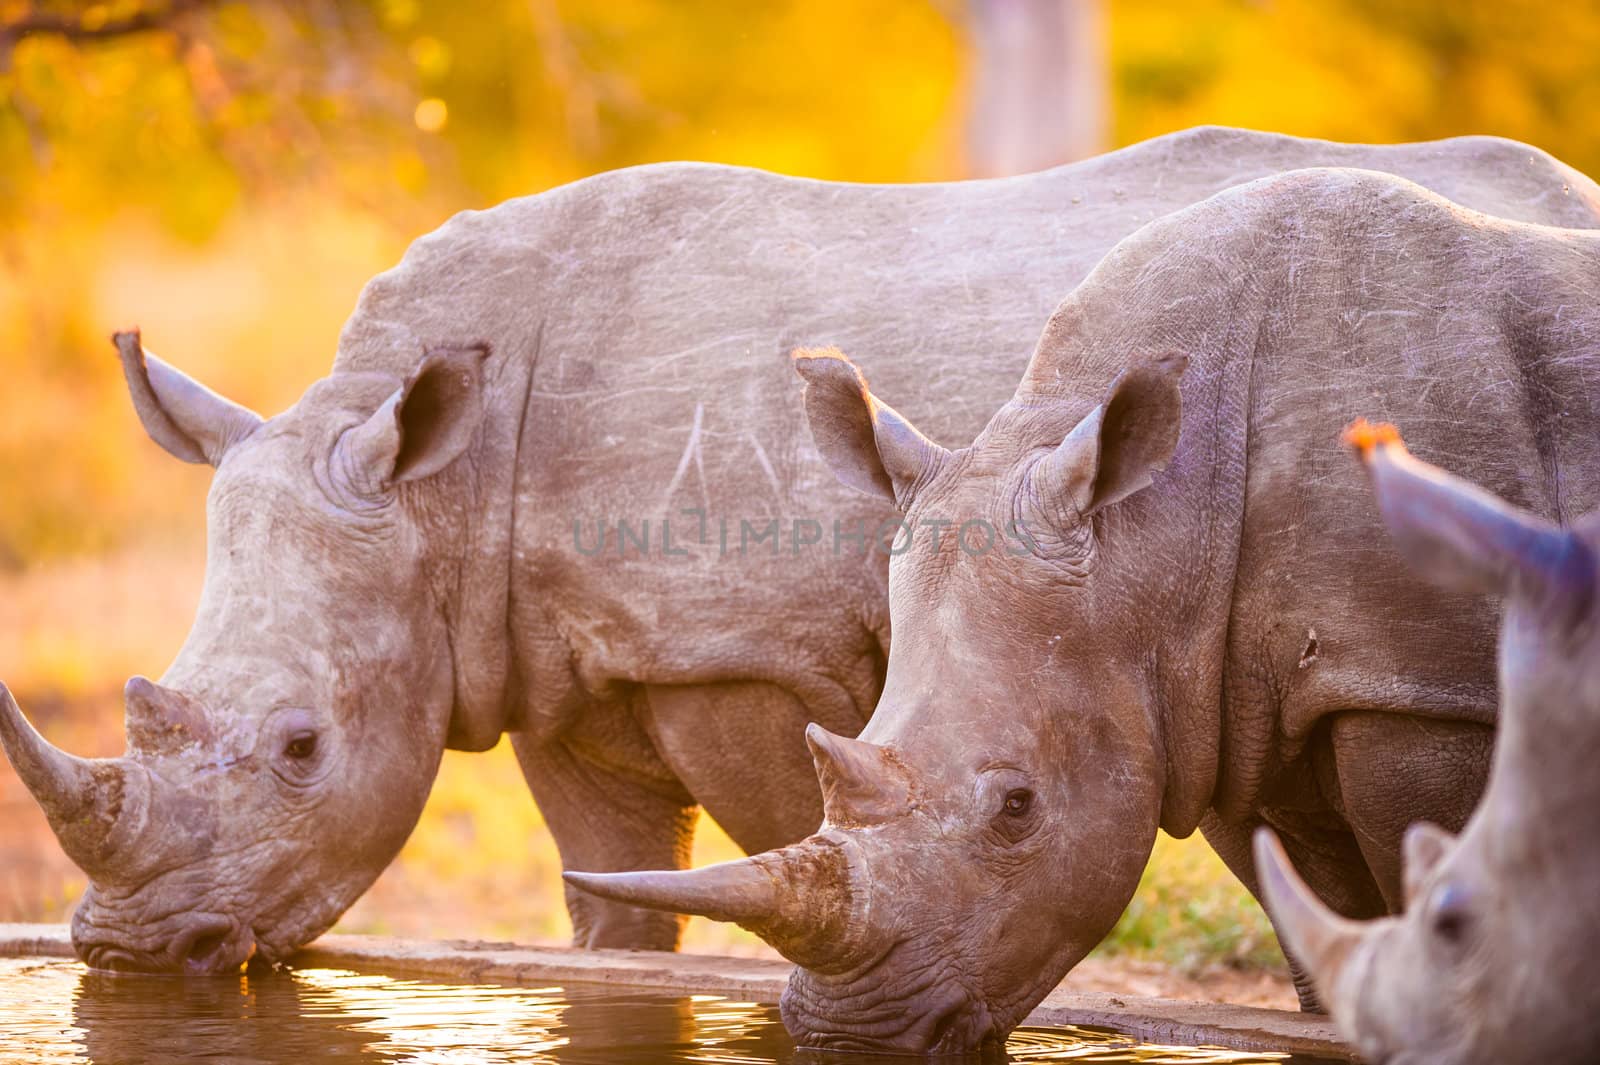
[(84, 800), (742, 891), (1462, 537), (1320, 939), (1423, 847), (861, 783), (161, 720), (800, 898)]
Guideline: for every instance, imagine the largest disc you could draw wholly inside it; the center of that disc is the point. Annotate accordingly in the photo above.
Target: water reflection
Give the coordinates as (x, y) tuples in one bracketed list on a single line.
[(55, 1011)]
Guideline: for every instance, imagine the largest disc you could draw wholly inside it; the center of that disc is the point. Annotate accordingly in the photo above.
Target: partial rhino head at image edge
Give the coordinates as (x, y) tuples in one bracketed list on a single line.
[(1493, 960)]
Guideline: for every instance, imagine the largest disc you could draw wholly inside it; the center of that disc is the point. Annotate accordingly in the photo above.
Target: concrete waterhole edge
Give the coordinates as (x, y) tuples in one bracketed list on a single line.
[(1158, 1020)]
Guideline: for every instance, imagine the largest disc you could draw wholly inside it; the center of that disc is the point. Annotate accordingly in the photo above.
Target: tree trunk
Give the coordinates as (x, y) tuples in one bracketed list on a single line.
[(1039, 84)]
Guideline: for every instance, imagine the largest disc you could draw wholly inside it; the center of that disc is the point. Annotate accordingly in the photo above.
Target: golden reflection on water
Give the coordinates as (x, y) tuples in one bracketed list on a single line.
[(1096, 1045), (54, 1011)]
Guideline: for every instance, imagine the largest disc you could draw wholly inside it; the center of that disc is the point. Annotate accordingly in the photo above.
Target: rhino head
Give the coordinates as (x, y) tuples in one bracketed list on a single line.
[(282, 760), (1492, 959), (977, 842)]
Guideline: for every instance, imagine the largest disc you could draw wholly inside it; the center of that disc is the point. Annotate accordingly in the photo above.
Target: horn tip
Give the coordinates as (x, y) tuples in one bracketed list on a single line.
[(826, 747), (1274, 871), (612, 886), (1269, 853), (1364, 437)]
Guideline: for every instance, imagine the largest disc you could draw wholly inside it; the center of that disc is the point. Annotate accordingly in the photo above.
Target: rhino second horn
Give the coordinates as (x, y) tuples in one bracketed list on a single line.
[(1320, 939), (798, 898), (160, 720), (861, 785), (83, 799), (1422, 848)]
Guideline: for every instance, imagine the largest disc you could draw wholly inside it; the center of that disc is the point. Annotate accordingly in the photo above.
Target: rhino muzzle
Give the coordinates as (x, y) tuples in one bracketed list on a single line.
[(913, 999), (193, 942)]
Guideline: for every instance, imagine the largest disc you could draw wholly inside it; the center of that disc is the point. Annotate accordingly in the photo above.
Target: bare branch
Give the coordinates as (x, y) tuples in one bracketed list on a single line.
[(76, 29)]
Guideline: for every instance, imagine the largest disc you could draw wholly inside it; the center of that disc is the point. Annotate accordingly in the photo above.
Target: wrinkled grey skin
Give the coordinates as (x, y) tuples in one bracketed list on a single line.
[(392, 568), (1215, 632), (1493, 960)]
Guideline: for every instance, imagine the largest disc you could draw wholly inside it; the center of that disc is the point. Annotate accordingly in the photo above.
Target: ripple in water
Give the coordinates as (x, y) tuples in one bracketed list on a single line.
[(54, 1011)]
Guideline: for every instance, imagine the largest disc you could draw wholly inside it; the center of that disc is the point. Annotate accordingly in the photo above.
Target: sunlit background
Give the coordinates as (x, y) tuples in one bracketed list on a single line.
[(227, 175)]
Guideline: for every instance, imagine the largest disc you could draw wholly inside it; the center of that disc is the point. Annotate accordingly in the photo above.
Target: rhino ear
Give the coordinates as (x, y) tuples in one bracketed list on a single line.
[(182, 415), (1118, 447), (1423, 848), (1462, 537), (869, 446), (422, 427)]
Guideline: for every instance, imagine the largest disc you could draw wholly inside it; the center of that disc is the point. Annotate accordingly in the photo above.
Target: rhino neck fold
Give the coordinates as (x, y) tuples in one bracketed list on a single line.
[(470, 533), (1208, 480), (1175, 546)]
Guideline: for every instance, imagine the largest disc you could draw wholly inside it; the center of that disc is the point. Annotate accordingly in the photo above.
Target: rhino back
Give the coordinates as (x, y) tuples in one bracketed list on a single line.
[(905, 271), (642, 322)]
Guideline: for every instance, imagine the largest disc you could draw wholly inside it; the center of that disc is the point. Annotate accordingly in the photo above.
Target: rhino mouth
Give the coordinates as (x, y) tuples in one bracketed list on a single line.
[(956, 1027), (193, 944), (902, 1002)]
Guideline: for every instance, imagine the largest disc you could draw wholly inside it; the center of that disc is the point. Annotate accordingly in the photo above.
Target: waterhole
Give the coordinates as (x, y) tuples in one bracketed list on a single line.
[(58, 1011)]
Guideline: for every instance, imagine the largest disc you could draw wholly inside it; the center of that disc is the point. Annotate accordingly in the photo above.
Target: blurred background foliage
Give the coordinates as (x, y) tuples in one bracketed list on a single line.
[(228, 173)]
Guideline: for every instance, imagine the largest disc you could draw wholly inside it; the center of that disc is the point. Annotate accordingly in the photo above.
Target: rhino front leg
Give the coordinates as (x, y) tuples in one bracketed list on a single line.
[(1331, 863), (1395, 769), (740, 748), (608, 819)]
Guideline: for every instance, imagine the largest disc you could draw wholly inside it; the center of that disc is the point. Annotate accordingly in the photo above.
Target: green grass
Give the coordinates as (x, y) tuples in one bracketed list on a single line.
[(1191, 913)]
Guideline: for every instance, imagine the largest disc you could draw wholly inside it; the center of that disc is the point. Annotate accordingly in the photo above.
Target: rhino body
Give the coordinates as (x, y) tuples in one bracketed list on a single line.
[(1212, 630), (393, 564), (1492, 961)]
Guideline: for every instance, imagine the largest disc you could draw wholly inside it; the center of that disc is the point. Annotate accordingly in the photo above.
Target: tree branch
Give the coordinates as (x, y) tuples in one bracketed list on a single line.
[(75, 29)]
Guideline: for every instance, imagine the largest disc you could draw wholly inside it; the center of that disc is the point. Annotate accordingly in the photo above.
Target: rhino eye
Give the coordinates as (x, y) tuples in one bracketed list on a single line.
[(1018, 801), (1450, 919), (1450, 926), (301, 745)]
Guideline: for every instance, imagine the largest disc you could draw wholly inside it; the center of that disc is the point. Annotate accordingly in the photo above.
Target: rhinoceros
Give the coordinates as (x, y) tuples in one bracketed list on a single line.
[(1205, 627), (1493, 959), (410, 558)]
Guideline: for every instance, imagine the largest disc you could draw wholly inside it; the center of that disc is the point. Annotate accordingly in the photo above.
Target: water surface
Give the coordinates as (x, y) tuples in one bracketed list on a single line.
[(57, 1011)]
